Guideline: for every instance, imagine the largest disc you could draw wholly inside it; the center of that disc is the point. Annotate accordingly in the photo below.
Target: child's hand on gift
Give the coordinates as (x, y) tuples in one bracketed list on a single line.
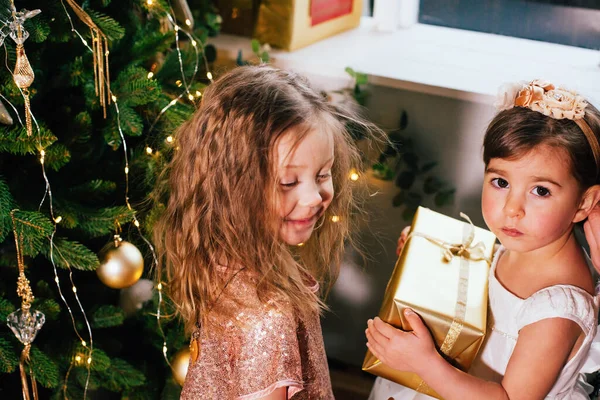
[(403, 351), (404, 235), (592, 235)]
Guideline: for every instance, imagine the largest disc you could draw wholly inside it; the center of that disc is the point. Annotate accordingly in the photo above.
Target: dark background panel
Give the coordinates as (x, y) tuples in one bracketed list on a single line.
[(569, 22)]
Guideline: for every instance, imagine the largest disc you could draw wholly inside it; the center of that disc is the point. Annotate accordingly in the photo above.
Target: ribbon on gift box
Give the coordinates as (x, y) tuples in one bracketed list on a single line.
[(467, 252)]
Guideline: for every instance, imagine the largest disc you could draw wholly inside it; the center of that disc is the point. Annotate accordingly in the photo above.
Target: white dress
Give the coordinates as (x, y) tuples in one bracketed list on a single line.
[(508, 314)]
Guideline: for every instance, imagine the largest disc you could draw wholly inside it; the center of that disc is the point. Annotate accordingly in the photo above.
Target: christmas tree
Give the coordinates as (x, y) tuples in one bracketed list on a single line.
[(69, 183)]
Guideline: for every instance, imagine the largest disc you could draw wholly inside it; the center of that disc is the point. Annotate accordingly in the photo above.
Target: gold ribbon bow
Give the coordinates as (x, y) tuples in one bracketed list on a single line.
[(465, 249), (467, 252)]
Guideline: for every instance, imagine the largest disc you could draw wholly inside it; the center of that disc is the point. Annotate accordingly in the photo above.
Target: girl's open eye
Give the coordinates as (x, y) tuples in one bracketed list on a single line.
[(500, 183), (541, 191)]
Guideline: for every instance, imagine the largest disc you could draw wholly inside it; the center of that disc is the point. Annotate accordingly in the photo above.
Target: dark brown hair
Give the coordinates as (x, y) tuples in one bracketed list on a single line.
[(516, 131)]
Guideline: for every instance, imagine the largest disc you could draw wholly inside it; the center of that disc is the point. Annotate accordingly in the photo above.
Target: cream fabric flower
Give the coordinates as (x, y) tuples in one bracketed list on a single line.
[(505, 100)]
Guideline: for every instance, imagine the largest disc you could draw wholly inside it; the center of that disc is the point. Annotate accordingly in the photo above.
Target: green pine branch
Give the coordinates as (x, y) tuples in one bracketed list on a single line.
[(44, 369), (6, 307), (57, 156), (131, 125), (71, 254), (134, 88), (99, 187), (108, 316), (8, 356), (111, 28), (6, 204), (101, 222), (15, 140), (33, 228), (147, 44), (49, 307), (122, 376), (38, 28)]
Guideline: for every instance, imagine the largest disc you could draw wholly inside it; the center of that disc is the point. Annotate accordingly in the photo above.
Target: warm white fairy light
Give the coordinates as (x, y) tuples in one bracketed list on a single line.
[(83, 343), (114, 98), (178, 83), (188, 22), (209, 75), (149, 2), (150, 75), (194, 43), (58, 219), (169, 139), (198, 94), (335, 218), (354, 175), (148, 150), (126, 170), (191, 97), (136, 223), (78, 358)]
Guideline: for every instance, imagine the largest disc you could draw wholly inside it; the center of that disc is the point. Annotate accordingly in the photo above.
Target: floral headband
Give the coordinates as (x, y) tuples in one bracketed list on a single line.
[(554, 102)]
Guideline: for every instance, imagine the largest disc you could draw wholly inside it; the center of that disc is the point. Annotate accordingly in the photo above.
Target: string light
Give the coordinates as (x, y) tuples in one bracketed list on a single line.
[(188, 22), (300, 244), (169, 139), (191, 97), (209, 75), (149, 2), (335, 218), (178, 83), (354, 175), (58, 219), (148, 150), (53, 247), (198, 94), (150, 75)]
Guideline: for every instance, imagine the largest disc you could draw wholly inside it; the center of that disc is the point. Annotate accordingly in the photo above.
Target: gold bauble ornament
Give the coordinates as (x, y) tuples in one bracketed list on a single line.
[(121, 264), (180, 365)]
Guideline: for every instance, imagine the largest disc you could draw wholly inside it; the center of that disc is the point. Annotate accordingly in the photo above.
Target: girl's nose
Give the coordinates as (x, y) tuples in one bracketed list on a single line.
[(513, 208), (311, 197)]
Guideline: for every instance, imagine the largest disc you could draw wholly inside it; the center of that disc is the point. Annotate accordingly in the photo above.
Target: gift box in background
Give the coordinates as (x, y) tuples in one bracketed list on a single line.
[(292, 24), (239, 16), (442, 274)]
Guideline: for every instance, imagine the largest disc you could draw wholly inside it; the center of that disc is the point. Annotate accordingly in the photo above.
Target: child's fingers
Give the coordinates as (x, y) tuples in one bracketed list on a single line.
[(376, 349), (376, 335), (384, 328), (416, 323), (402, 240)]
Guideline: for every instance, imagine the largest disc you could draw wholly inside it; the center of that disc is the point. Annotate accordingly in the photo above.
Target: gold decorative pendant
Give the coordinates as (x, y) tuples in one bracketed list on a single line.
[(24, 77), (194, 349)]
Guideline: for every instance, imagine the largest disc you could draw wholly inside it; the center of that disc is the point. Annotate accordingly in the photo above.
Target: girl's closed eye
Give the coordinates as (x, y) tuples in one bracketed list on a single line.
[(288, 184), (324, 177)]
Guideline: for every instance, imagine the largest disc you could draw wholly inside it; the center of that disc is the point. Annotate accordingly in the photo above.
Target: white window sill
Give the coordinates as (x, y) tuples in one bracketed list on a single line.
[(442, 61)]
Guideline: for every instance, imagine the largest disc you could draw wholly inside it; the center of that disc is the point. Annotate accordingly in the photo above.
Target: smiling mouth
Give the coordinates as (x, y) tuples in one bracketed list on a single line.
[(512, 232), (304, 221)]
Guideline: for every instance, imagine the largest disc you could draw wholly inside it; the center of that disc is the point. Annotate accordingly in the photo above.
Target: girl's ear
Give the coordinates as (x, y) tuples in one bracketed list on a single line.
[(590, 199)]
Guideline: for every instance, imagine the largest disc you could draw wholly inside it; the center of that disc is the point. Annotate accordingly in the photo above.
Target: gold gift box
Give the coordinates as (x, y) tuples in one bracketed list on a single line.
[(292, 24), (442, 274)]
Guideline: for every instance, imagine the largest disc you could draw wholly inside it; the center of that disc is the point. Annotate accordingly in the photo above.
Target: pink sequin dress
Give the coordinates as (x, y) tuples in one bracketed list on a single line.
[(261, 347)]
